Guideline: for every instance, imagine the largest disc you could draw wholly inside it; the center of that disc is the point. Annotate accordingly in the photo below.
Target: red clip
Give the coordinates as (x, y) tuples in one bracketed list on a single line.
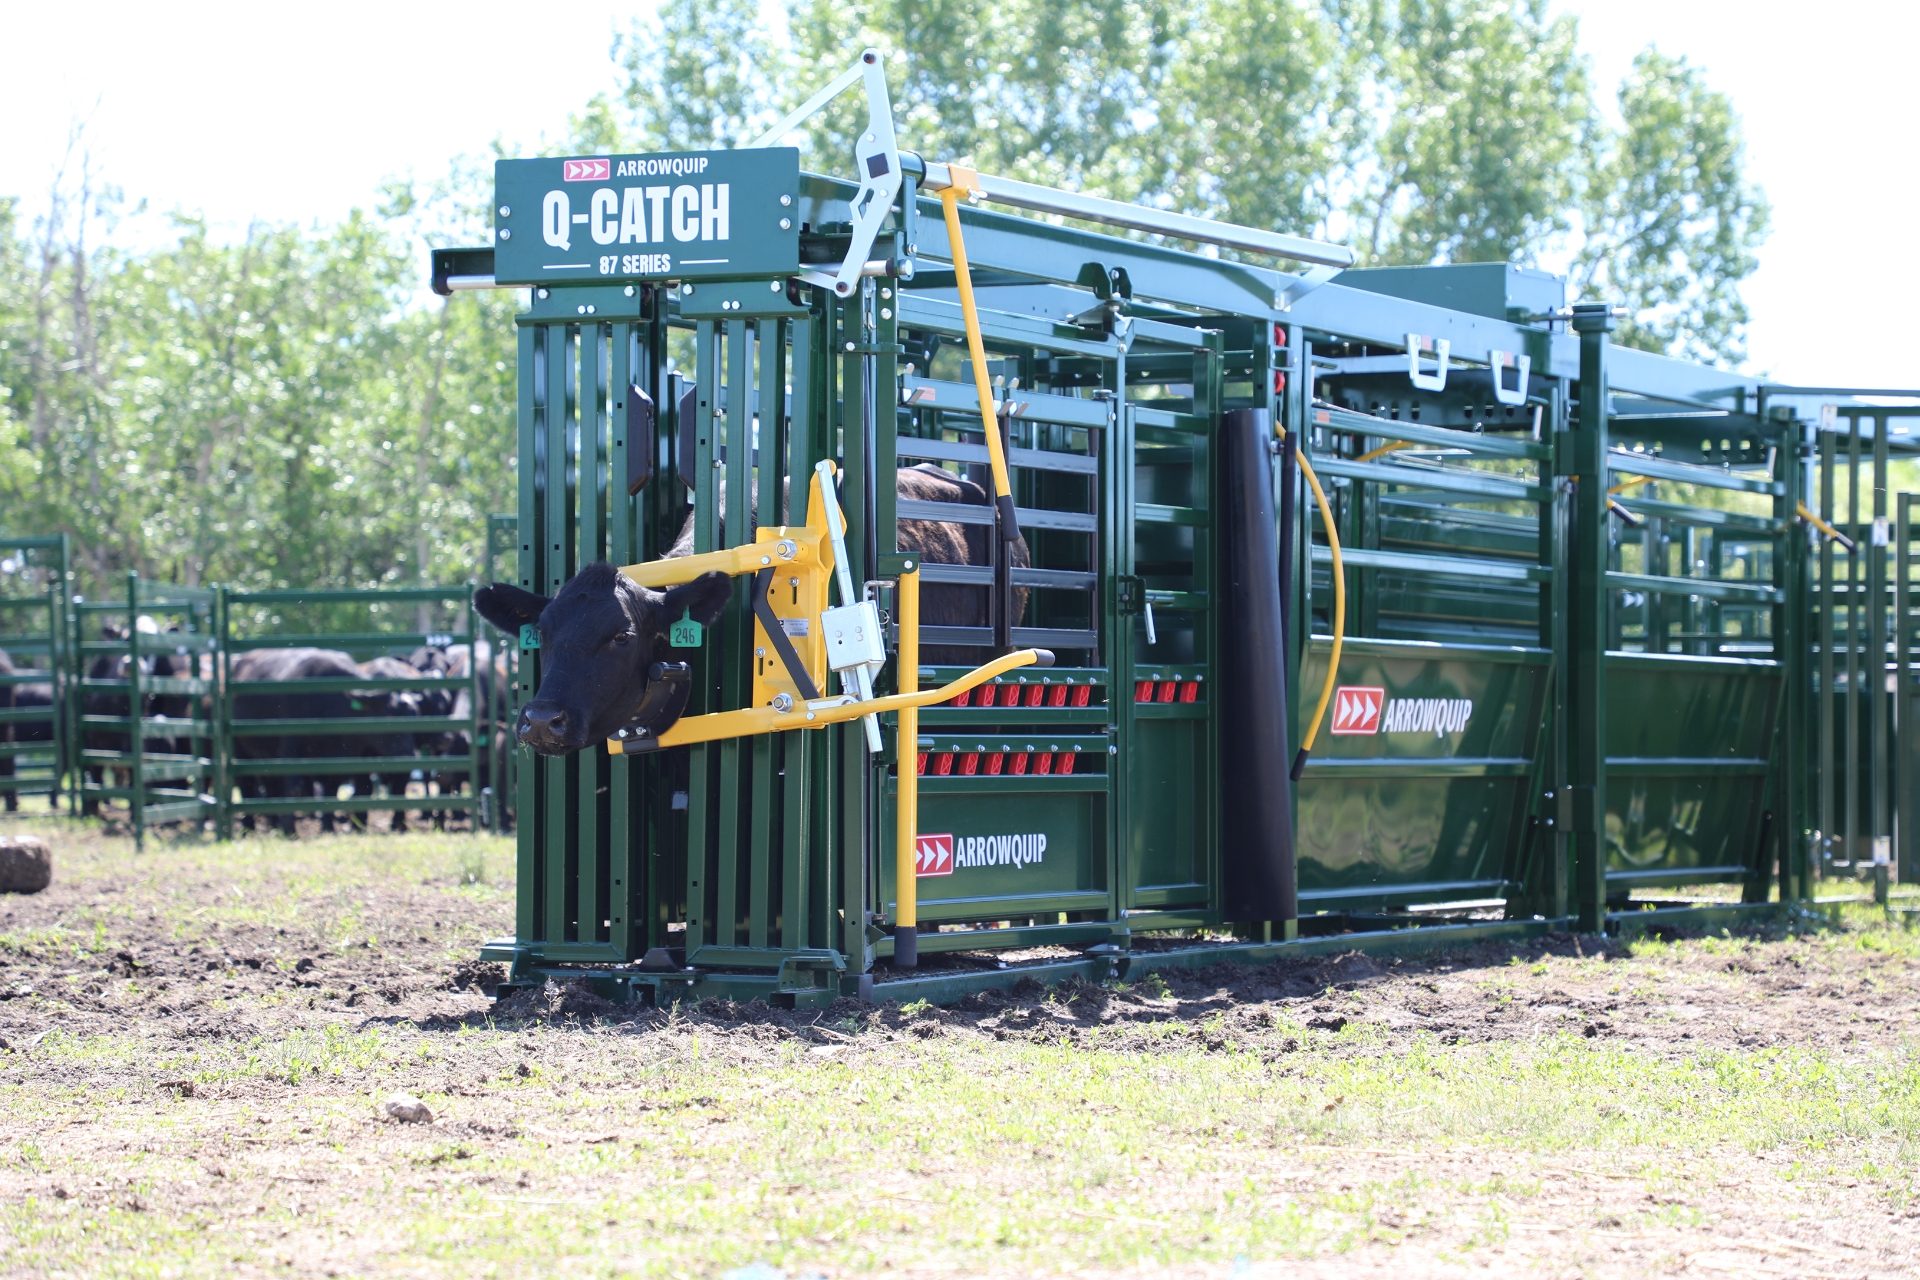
[(1065, 762), (970, 763), (1081, 693), (920, 766), (1166, 690), (1009, 695), (1019, 762), (1034, 694), (1190, 691), (1057, 696), (1279, 334), (1279, 381), (943, 764), (961, 698), (995, 759), (1043, 762), (1143, 691)]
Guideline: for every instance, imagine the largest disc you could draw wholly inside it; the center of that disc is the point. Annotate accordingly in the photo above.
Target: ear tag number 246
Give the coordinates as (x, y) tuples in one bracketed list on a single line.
[(686, 633)]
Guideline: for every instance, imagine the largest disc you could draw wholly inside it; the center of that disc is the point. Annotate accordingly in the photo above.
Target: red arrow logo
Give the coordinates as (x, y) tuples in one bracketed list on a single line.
[(933, 855), (1356, 708)]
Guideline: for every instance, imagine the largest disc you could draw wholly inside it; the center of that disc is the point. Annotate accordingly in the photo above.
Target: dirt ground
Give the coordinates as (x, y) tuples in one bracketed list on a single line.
[(196, 1043)]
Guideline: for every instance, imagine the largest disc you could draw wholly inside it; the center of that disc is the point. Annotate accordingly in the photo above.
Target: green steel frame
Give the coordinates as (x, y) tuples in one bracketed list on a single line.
[(1566, 706)]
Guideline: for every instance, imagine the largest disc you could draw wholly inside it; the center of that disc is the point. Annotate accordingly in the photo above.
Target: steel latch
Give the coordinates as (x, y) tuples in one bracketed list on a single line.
[(1500, 362), (1434, 379)]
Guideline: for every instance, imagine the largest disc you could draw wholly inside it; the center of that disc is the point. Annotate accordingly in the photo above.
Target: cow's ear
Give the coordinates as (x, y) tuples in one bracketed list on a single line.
[(703, 599), (508, 607)]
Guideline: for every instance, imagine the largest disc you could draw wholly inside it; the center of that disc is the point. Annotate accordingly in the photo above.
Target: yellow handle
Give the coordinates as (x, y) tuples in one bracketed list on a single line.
[(907, 742), (967, 180), (749, 721)]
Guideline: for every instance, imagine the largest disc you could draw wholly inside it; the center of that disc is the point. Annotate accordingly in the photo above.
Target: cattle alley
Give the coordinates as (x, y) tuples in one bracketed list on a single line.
[(198, 1040)]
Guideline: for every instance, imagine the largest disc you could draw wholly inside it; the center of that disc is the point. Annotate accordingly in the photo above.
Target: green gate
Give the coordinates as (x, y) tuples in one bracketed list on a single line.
[(34, 731), (142, 704), (280, 765)]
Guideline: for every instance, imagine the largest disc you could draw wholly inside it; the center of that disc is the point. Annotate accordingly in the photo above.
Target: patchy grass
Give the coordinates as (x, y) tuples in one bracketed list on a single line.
[(195, 1078)]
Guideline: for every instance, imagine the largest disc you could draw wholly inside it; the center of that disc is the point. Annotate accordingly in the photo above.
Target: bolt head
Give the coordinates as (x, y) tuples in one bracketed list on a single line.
[(506, 233)]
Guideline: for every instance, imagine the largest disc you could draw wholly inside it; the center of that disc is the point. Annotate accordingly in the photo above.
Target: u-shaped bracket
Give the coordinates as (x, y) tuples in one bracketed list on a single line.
[(1434, 379), (1501, 361)]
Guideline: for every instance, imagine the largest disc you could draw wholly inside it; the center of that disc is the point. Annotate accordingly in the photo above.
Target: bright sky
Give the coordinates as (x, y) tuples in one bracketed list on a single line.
[(297, 115)]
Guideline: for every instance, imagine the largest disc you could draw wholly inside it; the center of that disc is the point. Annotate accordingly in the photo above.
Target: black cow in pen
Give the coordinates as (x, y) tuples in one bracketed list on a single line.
[(601, 634), (34, 700), (344, 704)]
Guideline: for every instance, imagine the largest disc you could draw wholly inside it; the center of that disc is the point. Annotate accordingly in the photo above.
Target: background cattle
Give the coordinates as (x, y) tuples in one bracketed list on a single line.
[(344, 705)]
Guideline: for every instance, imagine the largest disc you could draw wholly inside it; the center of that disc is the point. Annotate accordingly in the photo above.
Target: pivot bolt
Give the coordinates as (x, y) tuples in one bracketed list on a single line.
[(784, 702)]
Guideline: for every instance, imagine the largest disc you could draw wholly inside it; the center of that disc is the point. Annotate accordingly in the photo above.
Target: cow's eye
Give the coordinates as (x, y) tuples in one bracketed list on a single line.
[(622, 640)]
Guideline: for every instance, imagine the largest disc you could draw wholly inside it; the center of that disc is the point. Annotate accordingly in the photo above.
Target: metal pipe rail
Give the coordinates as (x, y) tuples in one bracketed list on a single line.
[(937, 177)]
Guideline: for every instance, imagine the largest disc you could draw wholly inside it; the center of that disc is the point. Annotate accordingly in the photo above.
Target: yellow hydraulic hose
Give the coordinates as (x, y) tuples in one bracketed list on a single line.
[(1813, 518), (1339, 608), (967, 181), (1382, 451)]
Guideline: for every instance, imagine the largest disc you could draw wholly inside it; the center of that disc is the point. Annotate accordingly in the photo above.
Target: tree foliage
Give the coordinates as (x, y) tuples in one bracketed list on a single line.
[(284, 407)]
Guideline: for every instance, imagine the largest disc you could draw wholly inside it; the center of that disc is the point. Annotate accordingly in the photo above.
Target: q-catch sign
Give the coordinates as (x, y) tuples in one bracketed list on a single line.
[(695, 215)]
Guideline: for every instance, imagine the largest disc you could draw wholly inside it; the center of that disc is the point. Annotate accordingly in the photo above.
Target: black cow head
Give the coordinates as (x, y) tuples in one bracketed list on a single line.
[(599, 637)]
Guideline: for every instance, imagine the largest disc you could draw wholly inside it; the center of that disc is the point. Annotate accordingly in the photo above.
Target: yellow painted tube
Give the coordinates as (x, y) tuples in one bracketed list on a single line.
[(906, 867), (1632, 482), (976, 346)]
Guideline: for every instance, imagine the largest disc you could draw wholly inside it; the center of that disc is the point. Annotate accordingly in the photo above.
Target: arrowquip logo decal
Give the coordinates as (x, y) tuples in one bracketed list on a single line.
[(1438, 716), (1365, 709), (1356, 709), (585, 170), (1024, 850)]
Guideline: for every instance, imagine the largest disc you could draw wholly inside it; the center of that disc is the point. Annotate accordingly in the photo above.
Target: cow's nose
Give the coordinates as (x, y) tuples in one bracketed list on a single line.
[(542, 724)]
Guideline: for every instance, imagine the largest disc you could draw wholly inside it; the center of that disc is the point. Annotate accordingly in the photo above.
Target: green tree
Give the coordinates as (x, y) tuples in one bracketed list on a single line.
[(1486, 113), (1422, 131), (1671, 219)]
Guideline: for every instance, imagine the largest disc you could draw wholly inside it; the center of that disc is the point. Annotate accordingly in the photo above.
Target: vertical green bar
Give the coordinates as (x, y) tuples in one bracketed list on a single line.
[(621, 831), (1587, 620), (856, 409), (1791, 651), (1905, 653), (1856, 589), (136, 737), (591, 522), (701, 853), (799, 751), (530, 532), (220, 712), (732, 650), (1878, 586), (1825, 770), (766, 845)]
